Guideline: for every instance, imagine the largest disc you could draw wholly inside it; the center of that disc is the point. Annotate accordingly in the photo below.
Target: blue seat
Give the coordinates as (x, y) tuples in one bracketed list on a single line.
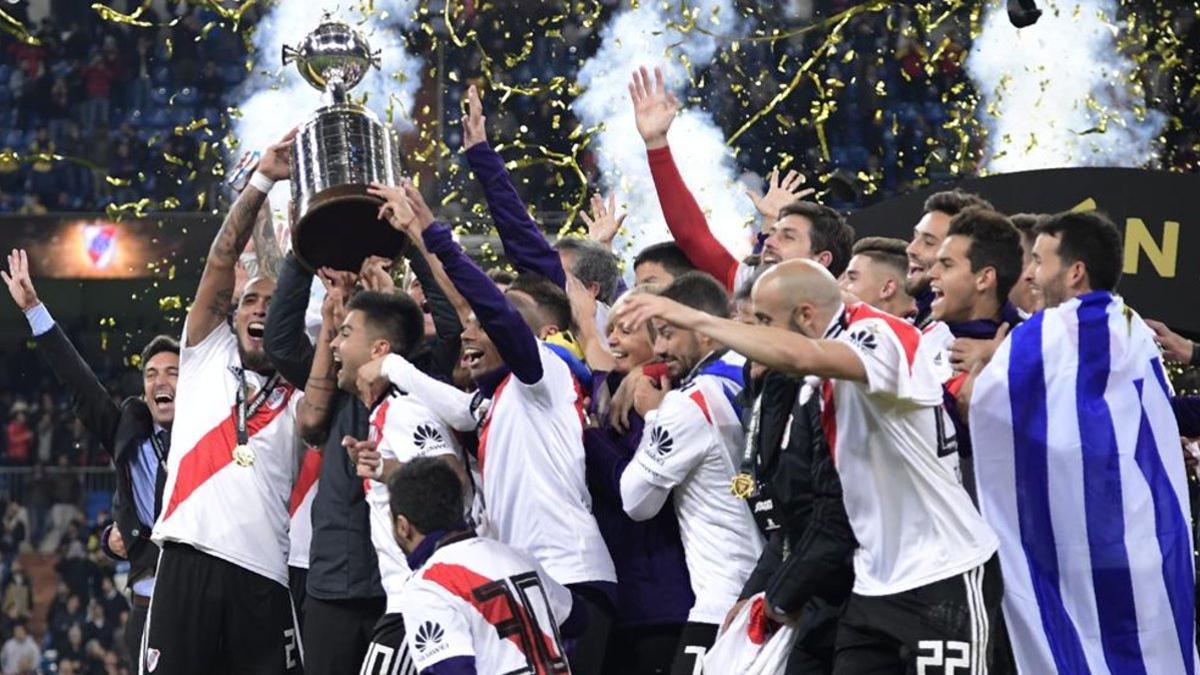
[(186, 96), (160, 95), (160, 76), (233, 74), (96, 501)]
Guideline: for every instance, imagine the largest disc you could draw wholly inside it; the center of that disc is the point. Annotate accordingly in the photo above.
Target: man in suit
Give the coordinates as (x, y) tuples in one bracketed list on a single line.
[(136, 435)]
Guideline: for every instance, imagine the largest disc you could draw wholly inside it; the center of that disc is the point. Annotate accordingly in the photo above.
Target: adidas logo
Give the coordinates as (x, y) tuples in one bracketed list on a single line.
[(429, 635)]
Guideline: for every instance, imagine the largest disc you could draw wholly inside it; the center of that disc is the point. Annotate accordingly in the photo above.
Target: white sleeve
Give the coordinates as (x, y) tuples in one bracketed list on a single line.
[(557, 596), (676, 440), (641, 499), (556, 379), (433, 627), (890, 372), (217, 339), (417, 433), (452, 405)]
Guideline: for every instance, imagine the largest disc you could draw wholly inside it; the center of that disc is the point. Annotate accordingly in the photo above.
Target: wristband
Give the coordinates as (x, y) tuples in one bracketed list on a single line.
[(377, 474), (261, 182)]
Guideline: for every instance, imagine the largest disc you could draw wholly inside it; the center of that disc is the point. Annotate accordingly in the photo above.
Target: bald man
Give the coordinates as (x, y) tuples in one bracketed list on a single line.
[(927, 586)]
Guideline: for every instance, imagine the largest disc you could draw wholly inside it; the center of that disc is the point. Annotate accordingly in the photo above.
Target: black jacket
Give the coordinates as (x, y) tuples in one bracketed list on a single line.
[(809, 551), (121, 431), (342, 562)]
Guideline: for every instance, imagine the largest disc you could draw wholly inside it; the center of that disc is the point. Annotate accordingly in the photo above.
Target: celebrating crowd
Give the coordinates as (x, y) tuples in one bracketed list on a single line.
[(773, 464)]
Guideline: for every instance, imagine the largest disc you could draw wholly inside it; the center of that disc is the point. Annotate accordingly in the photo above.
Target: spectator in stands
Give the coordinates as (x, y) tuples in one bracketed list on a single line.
[(98, 627), (18, 596), (20, 654), (20, 437), (80, 573), (113, 601), (61, 622), (72, 648), (14, 531), (98, 79)]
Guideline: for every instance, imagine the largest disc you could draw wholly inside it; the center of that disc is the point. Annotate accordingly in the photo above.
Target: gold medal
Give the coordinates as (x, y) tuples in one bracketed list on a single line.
[(243, 456), (742, 486)]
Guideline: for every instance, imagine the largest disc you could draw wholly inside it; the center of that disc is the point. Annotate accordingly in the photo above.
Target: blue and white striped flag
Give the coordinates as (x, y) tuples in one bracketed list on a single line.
[(1081, 474)]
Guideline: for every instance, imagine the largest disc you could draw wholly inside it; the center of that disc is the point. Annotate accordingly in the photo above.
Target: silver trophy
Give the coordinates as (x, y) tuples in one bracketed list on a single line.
[(339, 151)]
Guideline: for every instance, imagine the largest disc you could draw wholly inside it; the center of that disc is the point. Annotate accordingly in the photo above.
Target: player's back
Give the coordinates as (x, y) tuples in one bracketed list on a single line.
[(478, 599)]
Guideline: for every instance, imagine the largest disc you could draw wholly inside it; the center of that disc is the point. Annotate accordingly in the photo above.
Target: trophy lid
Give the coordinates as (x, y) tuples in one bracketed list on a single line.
[(334, 53)]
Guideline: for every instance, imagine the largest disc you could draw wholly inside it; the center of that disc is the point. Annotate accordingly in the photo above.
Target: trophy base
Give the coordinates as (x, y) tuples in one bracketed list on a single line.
[(341, 229)]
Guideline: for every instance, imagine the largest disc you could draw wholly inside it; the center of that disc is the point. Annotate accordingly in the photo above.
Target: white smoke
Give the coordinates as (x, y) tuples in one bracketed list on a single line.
[(275, 97), (1060, 93), (642, 36)]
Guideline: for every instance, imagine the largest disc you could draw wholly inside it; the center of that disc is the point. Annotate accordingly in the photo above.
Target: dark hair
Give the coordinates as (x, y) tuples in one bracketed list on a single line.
[(950, 202), (829, 232), (668, 254), (552, 302), (699, 291), (1025, 224), (594, 264), (397, 318), (994, 243), (427, 492), (157, 345), (1091, 238), (884, 250), (501, 277)]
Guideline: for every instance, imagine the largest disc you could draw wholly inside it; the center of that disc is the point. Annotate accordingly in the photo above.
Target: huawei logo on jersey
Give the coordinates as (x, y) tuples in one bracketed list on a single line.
[(428, 438), (661, 441), (429, 636), (864, 338)]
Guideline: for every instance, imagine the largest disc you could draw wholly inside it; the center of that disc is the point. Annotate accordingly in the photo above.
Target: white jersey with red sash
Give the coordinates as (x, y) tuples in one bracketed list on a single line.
[(479, 600), (532, 468), (230, 511), (914, 522), (300, 508), (404, 430), (691, 447)]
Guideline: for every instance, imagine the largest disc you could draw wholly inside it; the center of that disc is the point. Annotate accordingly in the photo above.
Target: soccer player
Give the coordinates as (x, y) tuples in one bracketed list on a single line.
[(221, 601), (876, 275), (926, 586), (1021, 294), (794, 228), (689, 453), (927, 238), (136, 435), (472, 605), (976, 267), (530, 451), (402, 428)]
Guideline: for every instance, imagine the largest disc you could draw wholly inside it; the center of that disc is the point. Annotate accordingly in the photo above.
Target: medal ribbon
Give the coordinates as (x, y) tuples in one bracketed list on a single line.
[(244, 411)]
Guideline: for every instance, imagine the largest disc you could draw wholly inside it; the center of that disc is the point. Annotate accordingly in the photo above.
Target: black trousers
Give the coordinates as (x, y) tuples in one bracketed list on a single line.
[(694, 643), (133, 633), (586, 652), (943, 627), (642, 650), (298, 585), (211, 616), (340, 632)]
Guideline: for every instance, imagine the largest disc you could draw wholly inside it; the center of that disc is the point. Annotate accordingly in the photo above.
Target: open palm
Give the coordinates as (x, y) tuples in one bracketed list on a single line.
[(654, 107), (18, 281)]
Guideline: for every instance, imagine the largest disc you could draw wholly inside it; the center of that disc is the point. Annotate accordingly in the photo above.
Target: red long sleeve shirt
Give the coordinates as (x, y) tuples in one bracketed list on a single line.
[(686, 220)]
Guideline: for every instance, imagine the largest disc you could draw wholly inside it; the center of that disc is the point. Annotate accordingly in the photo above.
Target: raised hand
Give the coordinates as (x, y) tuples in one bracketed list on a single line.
[(424, 215), (376, 275), (603, 224), (276, 160), (779, 194), (474, 123), (639, 309), (654, 108), (339, 286), (20, 286), (396, 207)]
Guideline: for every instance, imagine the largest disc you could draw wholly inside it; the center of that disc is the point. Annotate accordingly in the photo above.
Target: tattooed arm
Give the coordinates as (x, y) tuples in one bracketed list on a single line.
[(214, 296), (266, 246)]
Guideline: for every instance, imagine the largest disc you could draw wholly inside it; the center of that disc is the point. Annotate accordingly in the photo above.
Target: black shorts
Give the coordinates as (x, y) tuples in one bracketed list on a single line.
[(944, 627), (211, 616), (694, 643), (388, 652)]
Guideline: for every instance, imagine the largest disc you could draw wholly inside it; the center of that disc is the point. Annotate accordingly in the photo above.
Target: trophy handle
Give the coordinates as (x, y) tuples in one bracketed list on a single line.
[(289, 54), (376, 59)]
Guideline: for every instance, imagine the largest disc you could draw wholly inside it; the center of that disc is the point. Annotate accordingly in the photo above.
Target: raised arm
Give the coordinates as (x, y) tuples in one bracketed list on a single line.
[(285, 340), (315, 410), (266, 246), (775, 348), (654, 109), (214, 296), (517, 344), (523, 240), (92, 403)]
